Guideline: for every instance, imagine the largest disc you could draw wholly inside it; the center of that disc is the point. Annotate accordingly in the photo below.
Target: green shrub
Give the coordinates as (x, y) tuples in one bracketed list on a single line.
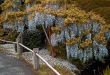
[(77, 62), (12, 35), (8, 35), (33, 39), (61, 50), (1, 32)]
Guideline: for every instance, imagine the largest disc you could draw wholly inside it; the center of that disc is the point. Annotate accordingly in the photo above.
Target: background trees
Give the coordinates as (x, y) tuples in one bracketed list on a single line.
[(101, 7)]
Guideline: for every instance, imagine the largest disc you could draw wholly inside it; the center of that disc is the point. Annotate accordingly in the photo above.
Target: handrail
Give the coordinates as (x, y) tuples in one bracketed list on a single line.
[(8, 41), (41, 59), (26, 47), (48, 64), (55, 71)]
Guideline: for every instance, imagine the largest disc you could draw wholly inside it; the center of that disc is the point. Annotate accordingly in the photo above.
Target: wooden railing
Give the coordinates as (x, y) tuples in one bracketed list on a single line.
[(36, 56)]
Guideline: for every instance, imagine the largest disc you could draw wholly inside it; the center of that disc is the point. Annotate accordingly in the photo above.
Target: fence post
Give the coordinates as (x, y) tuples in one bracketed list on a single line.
[(36, 64), (19, 49)]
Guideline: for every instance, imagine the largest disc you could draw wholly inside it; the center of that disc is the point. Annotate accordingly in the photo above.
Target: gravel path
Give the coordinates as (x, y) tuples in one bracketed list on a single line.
[(10, 65), (53, 61), (45, 54)]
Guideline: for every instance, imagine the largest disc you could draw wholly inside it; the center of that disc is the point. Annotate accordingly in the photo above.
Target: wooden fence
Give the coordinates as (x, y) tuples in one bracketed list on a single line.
[(36, 56)]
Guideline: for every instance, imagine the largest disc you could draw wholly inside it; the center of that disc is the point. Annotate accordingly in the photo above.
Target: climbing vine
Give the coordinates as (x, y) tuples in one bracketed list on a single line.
[(66, 10)]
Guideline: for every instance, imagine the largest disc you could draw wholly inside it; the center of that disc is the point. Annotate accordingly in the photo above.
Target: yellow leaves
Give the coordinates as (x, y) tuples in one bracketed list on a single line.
[(56, 29), (105, 28), (99, 37), (10, 15), (7, 4), (1, 32), (61, 13), (49, 1), (20, 14), (75, 15), (38, 8), (32, 9), (81, 21), (28, 1), (1, 19), (13, 16), (72, 14), (73, 41), (50, 11), (69, 21), (96, 17), (85, 32), (31, 16), (85, 44)]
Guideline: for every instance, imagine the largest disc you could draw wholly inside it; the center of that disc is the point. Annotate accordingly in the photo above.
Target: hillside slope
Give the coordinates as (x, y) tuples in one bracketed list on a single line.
[(101, 7)]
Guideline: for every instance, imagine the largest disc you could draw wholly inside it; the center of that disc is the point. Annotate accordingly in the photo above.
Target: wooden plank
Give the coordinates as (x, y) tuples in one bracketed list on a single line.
[(36, 63), (8, 41), (19, 48), (26, 47)]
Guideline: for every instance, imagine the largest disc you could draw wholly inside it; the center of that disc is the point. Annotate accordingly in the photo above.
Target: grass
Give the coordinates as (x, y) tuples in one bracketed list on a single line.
[(44, 70), (1, 48), (8, 34), (106, 71)]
